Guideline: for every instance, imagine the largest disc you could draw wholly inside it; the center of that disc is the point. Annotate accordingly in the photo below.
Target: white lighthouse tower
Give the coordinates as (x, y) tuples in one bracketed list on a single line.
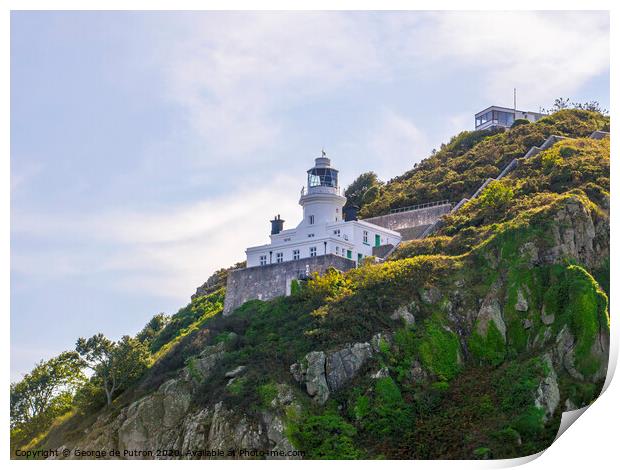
[(324, 229), (321, 201)]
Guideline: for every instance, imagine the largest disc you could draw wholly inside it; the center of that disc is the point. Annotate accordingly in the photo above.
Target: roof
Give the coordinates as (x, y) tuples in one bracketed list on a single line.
[(502, 108)]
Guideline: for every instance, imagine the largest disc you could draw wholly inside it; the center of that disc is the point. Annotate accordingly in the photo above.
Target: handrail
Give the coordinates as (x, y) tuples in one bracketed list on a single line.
[(419, 206)]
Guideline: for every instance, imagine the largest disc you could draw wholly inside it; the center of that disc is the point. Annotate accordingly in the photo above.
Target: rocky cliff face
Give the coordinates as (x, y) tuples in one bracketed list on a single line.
[(463, 321)]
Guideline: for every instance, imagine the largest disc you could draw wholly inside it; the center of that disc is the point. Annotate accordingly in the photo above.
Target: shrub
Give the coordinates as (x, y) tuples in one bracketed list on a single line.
[(325, 436)]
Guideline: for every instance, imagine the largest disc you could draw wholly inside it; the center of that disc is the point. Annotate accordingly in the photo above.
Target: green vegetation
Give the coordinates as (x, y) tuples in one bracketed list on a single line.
[(325, 436), (444, 389), (44, 395), (490, 349), (116, 364)]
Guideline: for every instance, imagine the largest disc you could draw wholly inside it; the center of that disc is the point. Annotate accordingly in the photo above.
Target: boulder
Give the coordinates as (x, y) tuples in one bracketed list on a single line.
[(343, 365), (521, 305), (548, 392), (546, 319), (236, 372), (324, 373), (491, 311), (402, 313), (314, 376)]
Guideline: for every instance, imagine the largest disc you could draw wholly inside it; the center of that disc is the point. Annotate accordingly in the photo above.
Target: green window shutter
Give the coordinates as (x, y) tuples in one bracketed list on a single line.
[(377, 240), (349, 254)]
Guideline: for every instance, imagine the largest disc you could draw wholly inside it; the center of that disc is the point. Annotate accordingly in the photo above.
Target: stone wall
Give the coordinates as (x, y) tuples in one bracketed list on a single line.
[(406, 222), (274, 280)]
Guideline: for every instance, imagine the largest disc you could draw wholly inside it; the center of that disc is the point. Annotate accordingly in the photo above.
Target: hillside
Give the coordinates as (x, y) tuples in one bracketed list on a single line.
[(467, 344)]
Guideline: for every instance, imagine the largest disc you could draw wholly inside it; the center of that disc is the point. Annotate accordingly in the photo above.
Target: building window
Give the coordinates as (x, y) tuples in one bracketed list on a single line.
[(287, 239), (312, 251), (366, 237), (311, 220), (346, 237), (279, 257), (337, 250), (311, 235), (337, 232), (359, 258), (349, 254), (295, 254), (263, 260)]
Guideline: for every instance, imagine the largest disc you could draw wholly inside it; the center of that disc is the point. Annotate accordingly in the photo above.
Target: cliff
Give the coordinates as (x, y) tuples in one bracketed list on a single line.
[(467, 344)]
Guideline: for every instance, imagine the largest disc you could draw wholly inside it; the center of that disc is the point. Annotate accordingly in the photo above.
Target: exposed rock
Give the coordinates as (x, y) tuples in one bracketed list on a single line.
[(565, 352), (284, 397), (343, 365), (278, 442), (430, 296), (530, 251), (573, 235), (314, 376), (297, 372), (227, 431), (196, 431), (527, 323), (418, 374), (236, 372), (403, 314), (491, 311), (152, 423), (204, 363), (378, 339), (546, 319), (521, 305), (569, 405), (323, 373), (381, 373), (548, 392)]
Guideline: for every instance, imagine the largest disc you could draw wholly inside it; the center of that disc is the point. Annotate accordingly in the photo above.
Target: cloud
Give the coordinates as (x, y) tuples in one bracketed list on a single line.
[(542, 54), (163, 252), (233, 72), (398, 143)]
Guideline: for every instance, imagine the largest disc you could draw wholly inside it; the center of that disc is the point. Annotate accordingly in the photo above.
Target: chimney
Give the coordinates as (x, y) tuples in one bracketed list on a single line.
[(350, 213), (277, 224)]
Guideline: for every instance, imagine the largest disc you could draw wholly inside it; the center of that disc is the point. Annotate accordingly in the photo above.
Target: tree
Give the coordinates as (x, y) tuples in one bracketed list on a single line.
[(154, 326), (591, 106), (117, 364), (356, 190), (45, 393), (565, 103)]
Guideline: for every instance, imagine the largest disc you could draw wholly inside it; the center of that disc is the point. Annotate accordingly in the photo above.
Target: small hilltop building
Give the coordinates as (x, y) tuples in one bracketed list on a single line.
[(498, 116)]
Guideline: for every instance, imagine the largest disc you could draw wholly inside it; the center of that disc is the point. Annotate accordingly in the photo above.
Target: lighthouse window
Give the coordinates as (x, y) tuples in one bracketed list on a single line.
[(295, 254), (263, 260), (311, 220), (337, 232), (312, 251), (279, 257), (323, 177)]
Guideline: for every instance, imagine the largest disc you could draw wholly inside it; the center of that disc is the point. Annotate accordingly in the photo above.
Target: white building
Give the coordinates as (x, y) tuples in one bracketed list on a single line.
[(324, 228), (497, 116)]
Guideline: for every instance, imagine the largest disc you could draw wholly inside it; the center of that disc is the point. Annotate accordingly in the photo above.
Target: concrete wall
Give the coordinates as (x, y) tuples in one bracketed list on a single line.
[(403, 222), (274, 280)]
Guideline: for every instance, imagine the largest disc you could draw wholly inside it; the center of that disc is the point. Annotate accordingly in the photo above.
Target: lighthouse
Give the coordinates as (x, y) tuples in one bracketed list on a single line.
[(323, 229), (321, 199)]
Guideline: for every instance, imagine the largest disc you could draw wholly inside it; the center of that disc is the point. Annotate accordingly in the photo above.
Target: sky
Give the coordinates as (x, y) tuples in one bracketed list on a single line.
[(149, 149)]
